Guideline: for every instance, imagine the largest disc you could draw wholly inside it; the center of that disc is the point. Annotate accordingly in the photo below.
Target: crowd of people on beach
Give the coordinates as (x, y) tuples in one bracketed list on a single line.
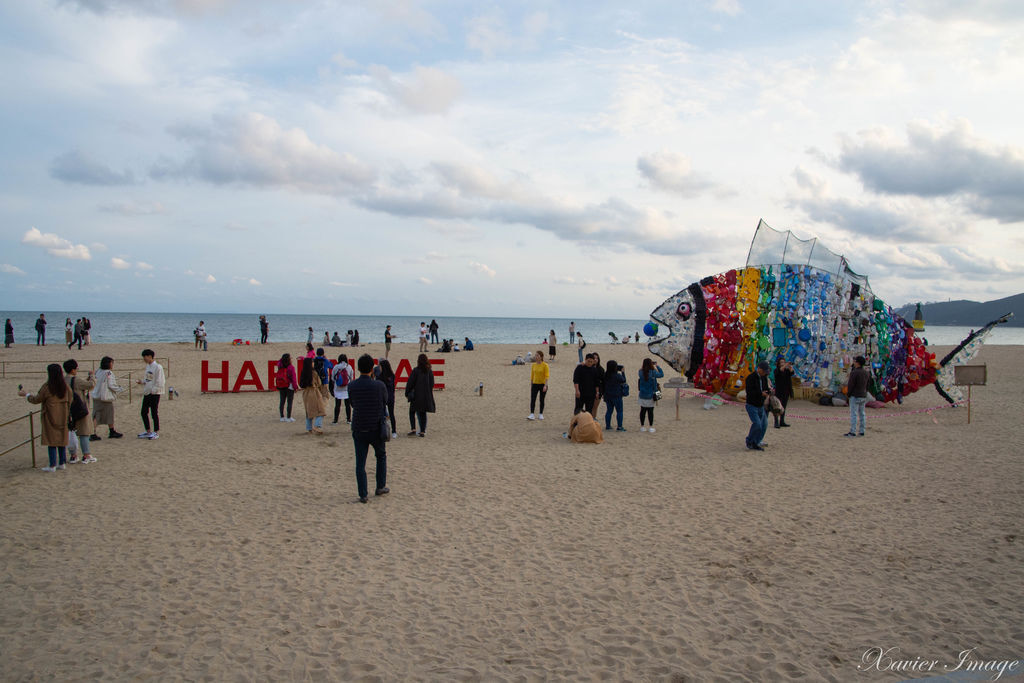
[(73, 407)]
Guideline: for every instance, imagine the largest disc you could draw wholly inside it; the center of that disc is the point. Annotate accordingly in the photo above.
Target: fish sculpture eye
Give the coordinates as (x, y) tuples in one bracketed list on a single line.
[(684, 311)]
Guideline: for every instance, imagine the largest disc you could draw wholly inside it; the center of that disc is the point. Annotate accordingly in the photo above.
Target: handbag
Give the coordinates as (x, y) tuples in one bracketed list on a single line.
[(385, 427), (625, 388), (657, 391)]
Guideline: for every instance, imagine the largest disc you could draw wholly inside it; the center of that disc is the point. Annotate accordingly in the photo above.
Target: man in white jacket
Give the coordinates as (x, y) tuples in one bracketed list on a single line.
[(152, 388)]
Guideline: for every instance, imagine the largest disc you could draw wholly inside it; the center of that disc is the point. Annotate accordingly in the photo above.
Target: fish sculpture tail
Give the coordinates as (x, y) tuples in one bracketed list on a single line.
[(963, 353)]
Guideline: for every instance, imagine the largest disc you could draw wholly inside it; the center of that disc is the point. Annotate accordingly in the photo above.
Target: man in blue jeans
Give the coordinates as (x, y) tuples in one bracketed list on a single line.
[(369, 399), (758, 391), (857, 393)]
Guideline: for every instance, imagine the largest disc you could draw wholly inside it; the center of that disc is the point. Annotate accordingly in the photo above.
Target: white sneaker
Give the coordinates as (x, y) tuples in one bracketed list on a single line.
[(62, 467), (291, 419), (394, 435), (541, 416), (153, 435), (284, 419), (49, 469), (651, 430), (89, 459), (643, 429), (531, 416), (73, 459), (144, 435)]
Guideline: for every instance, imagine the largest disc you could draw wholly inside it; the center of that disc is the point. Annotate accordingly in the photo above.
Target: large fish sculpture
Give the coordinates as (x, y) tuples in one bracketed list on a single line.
[(799, 301)]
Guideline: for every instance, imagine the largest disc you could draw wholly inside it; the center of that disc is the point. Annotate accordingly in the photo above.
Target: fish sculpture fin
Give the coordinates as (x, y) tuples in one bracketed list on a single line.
[(963, 353)]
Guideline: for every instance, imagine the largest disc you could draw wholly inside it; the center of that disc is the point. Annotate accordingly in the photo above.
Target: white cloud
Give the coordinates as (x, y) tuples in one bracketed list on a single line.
[(424, 281), (255, 150), (342, 284), (490, 34), (672, 172), (254, 282), (482, 268), (119, 263), (11, 270), (427, 90), (56, 245), (142, 265), (730, 7), (78, 167), (339, 60)]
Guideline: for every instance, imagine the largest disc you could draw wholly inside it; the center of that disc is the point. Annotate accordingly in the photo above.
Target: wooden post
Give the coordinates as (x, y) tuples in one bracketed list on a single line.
[(968, 404), (32, 437)]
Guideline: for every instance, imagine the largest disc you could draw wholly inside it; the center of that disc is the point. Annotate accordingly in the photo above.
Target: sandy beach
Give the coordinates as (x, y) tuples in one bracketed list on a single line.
[(234, 547)]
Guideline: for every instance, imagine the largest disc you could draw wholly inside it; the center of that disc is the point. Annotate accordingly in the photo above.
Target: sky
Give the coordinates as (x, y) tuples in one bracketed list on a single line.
[(459, 157)]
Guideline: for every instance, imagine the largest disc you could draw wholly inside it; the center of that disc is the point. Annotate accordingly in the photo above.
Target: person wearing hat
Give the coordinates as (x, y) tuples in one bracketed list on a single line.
[(758, 392)]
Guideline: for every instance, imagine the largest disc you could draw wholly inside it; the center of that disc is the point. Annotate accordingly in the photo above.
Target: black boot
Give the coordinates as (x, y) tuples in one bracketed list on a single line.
[(776, 421)]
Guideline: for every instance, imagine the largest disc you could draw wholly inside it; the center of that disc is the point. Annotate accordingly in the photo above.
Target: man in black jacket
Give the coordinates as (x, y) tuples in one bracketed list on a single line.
[(857, 394), (758, 391), (369, 399), (585, 381)]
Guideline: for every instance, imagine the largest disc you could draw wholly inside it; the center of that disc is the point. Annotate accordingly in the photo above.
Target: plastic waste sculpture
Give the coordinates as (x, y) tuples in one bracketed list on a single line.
[(797, 300)]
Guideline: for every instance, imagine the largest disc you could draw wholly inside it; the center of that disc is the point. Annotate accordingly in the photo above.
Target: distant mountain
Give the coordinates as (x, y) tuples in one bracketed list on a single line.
[(968, 313)]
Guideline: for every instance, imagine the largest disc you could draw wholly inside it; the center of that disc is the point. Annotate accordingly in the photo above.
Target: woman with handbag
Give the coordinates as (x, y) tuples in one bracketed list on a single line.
[(646, 386), (103, 397), (55, 397), (312, 397), (419, 389)]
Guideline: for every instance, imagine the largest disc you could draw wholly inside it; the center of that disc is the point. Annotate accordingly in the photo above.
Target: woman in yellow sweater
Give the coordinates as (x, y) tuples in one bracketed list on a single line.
[(539, 373)]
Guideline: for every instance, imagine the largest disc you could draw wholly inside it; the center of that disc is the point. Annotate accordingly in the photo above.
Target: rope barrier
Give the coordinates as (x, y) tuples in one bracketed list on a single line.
[(832, 419)]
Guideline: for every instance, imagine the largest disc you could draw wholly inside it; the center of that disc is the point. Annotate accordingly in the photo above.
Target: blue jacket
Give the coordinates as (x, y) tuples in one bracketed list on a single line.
[(645, 387)]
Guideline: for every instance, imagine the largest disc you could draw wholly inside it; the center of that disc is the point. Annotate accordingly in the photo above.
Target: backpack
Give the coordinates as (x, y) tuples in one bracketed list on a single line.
[(341, 377), (78, 407), (281, 378)]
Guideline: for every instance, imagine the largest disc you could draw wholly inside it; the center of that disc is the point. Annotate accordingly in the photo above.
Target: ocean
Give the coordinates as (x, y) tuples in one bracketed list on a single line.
[(156, 328)]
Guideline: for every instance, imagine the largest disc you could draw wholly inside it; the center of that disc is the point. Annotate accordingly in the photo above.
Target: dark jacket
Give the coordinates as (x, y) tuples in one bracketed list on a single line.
[(369, 398), (613, 384), (420, 391), (388, 381), (587, 378), (783, 384), (756, 385), (857, 385)]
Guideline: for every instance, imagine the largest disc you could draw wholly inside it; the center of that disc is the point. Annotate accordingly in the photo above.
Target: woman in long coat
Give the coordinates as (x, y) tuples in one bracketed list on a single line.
[(84, 428), (312, 396), (55, 398), (419, 389)]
